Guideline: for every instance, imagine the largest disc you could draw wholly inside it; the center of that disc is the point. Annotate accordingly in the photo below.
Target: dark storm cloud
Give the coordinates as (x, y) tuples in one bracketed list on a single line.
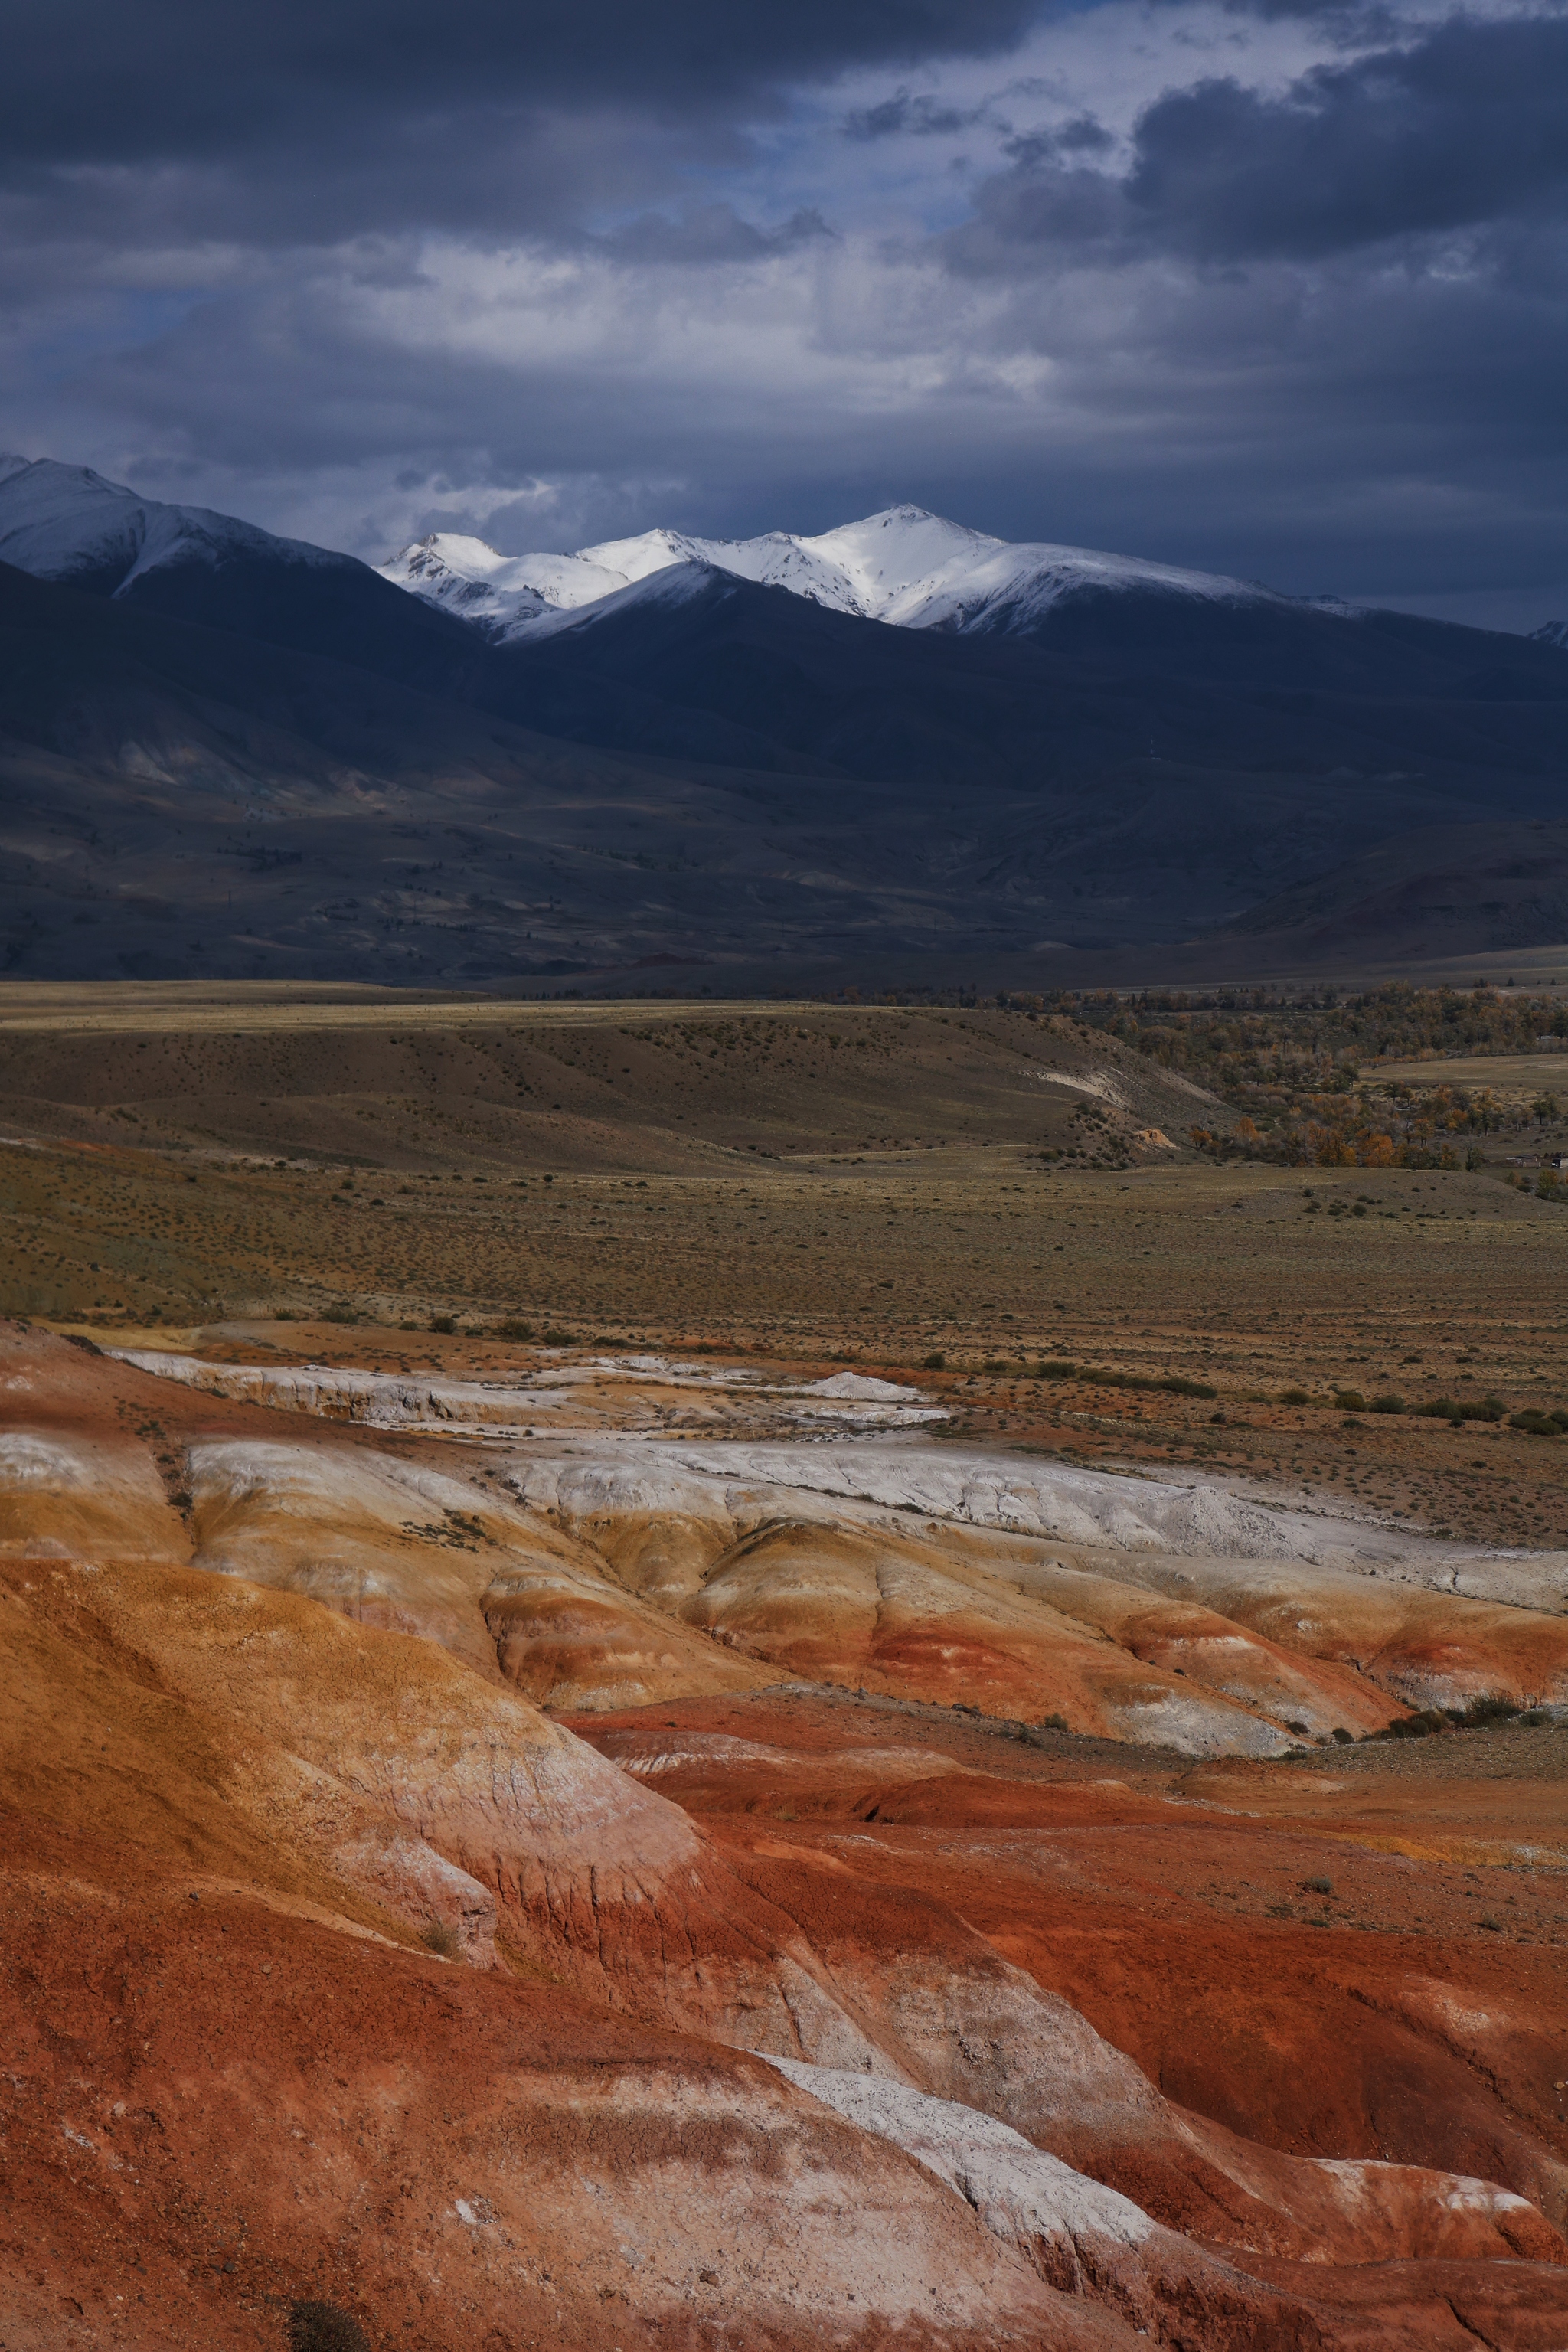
[(192, 86), (303, 122), (1467, 126)]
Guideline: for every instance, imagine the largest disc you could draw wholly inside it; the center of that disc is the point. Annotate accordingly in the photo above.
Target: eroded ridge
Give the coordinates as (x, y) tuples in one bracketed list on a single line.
[(344, 1967)]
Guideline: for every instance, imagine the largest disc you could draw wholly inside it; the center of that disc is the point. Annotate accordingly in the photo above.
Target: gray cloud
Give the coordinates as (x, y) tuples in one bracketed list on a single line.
[(1455, 131), (904, 116), (708, 233)]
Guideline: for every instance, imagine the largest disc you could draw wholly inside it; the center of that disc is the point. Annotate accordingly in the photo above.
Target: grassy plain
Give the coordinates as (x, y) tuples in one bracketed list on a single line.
[(868, 1185)]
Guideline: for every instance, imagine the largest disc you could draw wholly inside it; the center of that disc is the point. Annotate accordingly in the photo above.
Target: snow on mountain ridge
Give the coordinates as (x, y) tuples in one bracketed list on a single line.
[(511, 595), (62, 521), (903, 566)]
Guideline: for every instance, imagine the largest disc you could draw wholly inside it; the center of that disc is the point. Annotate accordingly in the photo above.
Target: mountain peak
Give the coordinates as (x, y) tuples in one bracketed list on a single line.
[(66, 523)]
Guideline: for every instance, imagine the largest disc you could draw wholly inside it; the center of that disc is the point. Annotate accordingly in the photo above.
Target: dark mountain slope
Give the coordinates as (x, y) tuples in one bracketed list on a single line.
[(1281, 643), (1371, 696), (708, 768), (67, 524), (1439, 890)]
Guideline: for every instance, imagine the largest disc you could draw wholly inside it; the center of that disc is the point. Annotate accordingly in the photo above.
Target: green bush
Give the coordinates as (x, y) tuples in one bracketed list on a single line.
[(936, 1362), (1388, 1404), (1350, 1400), (1537, 1424), (1490, 1707), (1173, 1383), (1445, 1408)]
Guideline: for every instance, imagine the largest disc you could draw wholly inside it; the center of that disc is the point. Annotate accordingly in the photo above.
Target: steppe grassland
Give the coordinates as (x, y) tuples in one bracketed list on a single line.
[(824, 1185)]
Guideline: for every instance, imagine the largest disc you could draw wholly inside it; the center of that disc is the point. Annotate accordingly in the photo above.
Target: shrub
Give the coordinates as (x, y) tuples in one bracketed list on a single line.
[(340, 1311), (1093, 1376), (1445, 1408), (1342, 1738), (513, 1330), (936, 1362), (1490, 1707), (1536, 1423), (1350, 1400), (1388, 1404), (1294, 1396), (442, 1937), (1317, 1886), (1057, 1367), (442, 1323), (315, 2326)]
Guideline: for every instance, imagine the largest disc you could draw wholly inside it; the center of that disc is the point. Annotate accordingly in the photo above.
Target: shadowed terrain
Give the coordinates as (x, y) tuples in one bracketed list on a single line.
[(280, 768)]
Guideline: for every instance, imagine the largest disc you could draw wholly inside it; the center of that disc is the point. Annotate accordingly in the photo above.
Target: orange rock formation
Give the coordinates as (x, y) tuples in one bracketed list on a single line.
[(337, 1968)]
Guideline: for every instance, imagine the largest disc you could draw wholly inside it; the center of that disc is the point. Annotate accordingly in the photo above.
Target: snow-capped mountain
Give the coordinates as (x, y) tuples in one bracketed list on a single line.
[(906, 567), (1550, 633), (66, 523)]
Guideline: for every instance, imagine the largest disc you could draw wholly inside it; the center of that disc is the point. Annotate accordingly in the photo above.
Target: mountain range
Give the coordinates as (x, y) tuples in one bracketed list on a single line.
[(897, 749), (906, 567)]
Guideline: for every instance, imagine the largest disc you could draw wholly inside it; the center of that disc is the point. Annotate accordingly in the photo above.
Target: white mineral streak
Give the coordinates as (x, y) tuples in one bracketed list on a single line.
[(399, 1401), (1029, 2193)]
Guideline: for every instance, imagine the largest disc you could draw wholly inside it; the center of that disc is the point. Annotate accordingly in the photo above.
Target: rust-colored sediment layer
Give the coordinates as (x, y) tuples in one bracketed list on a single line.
[(338, 1968)]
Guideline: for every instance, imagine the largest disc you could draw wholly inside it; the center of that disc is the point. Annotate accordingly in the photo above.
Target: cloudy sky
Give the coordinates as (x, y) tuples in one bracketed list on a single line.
[(1274, 287)]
